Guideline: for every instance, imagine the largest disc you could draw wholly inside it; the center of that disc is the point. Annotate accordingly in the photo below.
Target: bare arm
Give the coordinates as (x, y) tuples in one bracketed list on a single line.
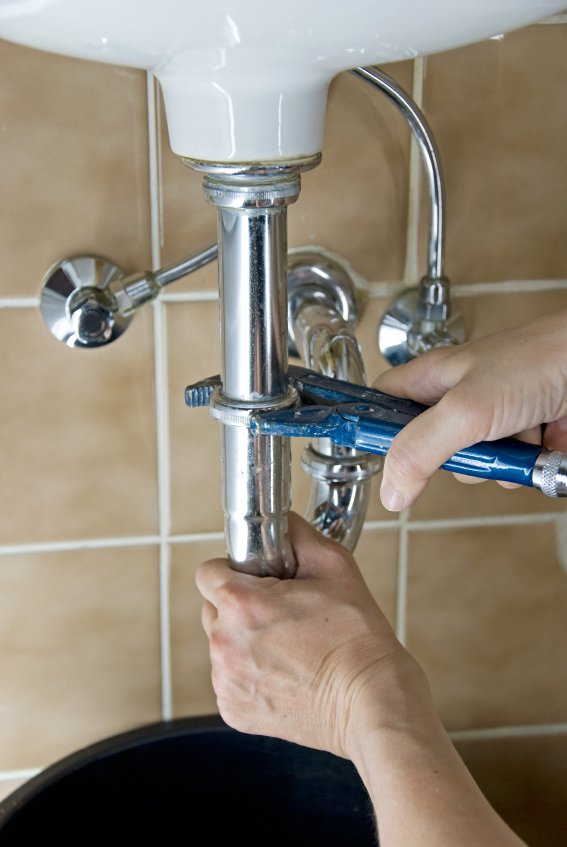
[(507, 383), (313, 660)]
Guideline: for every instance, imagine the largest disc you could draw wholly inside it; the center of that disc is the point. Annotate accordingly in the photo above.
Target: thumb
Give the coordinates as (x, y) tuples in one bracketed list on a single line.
[(317, 556)]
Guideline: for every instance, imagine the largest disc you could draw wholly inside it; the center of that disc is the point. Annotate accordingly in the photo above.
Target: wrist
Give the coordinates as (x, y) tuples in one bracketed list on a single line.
[(395, 700)]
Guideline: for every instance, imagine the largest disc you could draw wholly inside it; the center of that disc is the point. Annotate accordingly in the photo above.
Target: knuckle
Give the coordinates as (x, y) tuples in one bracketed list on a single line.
[(237, 604), (471, 412), (403, 463)]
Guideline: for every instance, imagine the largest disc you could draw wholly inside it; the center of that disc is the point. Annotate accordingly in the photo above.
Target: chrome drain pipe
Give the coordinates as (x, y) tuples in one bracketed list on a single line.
[(256, 470), (323, 312)]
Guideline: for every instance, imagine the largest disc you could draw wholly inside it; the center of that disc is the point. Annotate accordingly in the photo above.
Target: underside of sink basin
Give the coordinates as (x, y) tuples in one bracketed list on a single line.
[(248, 82)]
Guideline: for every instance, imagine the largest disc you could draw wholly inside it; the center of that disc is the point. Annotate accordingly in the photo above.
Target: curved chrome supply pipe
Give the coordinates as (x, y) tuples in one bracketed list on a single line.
[(431, 162)]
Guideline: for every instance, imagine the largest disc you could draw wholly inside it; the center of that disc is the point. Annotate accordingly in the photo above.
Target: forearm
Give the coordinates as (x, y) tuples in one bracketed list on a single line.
[(422, 792)]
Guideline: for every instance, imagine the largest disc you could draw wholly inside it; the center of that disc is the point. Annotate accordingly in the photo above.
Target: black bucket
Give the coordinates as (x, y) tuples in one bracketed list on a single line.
[(170, 781)]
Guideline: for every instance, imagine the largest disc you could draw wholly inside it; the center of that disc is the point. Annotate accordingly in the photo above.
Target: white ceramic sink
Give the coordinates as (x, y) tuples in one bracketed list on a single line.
[(245, 80)]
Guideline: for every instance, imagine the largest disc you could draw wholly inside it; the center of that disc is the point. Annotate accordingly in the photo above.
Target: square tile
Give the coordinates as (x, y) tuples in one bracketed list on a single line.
[(73, 165), (499, 116), (487, 619), (524, 777), (77, 434), (79, 640)]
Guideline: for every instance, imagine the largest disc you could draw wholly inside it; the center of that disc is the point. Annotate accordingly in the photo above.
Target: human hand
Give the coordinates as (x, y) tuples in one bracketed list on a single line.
[(311, 660), (505, 384)]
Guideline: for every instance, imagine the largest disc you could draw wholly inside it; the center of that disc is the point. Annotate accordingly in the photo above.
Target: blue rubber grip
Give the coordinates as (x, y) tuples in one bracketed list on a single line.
[(506, 459)]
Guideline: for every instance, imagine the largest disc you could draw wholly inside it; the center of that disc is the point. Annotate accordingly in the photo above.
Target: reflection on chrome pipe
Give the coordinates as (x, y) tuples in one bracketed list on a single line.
[(340, 492), (256, 470), (256, 501), (323, 313)]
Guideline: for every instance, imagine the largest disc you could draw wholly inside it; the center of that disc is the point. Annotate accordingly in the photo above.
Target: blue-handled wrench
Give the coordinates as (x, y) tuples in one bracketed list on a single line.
[(367, 419)]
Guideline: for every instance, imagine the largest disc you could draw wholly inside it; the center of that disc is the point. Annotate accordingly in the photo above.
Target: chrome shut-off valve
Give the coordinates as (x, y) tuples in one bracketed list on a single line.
[(420, 319)]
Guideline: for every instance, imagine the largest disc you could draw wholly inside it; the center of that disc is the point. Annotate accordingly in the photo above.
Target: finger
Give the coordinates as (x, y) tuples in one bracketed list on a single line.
[(425, 379), (424, 445), (468, 480), (211, 576), (555, 435), (315, 553), (209, 615)]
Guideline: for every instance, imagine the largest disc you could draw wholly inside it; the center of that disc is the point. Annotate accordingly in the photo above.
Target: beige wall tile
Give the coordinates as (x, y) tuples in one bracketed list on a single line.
[(77, 434), (487, 620), (73, 165), (193, 338), (377, 557), (525, 779), (191, 668), (499, 115), (447, 498), (79, 640), (492, 313)]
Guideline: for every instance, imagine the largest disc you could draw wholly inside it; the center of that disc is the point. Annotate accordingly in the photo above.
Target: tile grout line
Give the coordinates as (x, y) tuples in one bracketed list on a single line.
[(197, 537), (402, 586), (385, 288), (24, 774), (79, 544), (161, 402), (510, 286), (520, 731), (483, 521), (190, 297)]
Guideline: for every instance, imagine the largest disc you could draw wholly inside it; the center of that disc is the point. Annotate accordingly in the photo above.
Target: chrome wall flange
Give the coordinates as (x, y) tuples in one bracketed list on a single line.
[(77, 303), (88, 301)]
